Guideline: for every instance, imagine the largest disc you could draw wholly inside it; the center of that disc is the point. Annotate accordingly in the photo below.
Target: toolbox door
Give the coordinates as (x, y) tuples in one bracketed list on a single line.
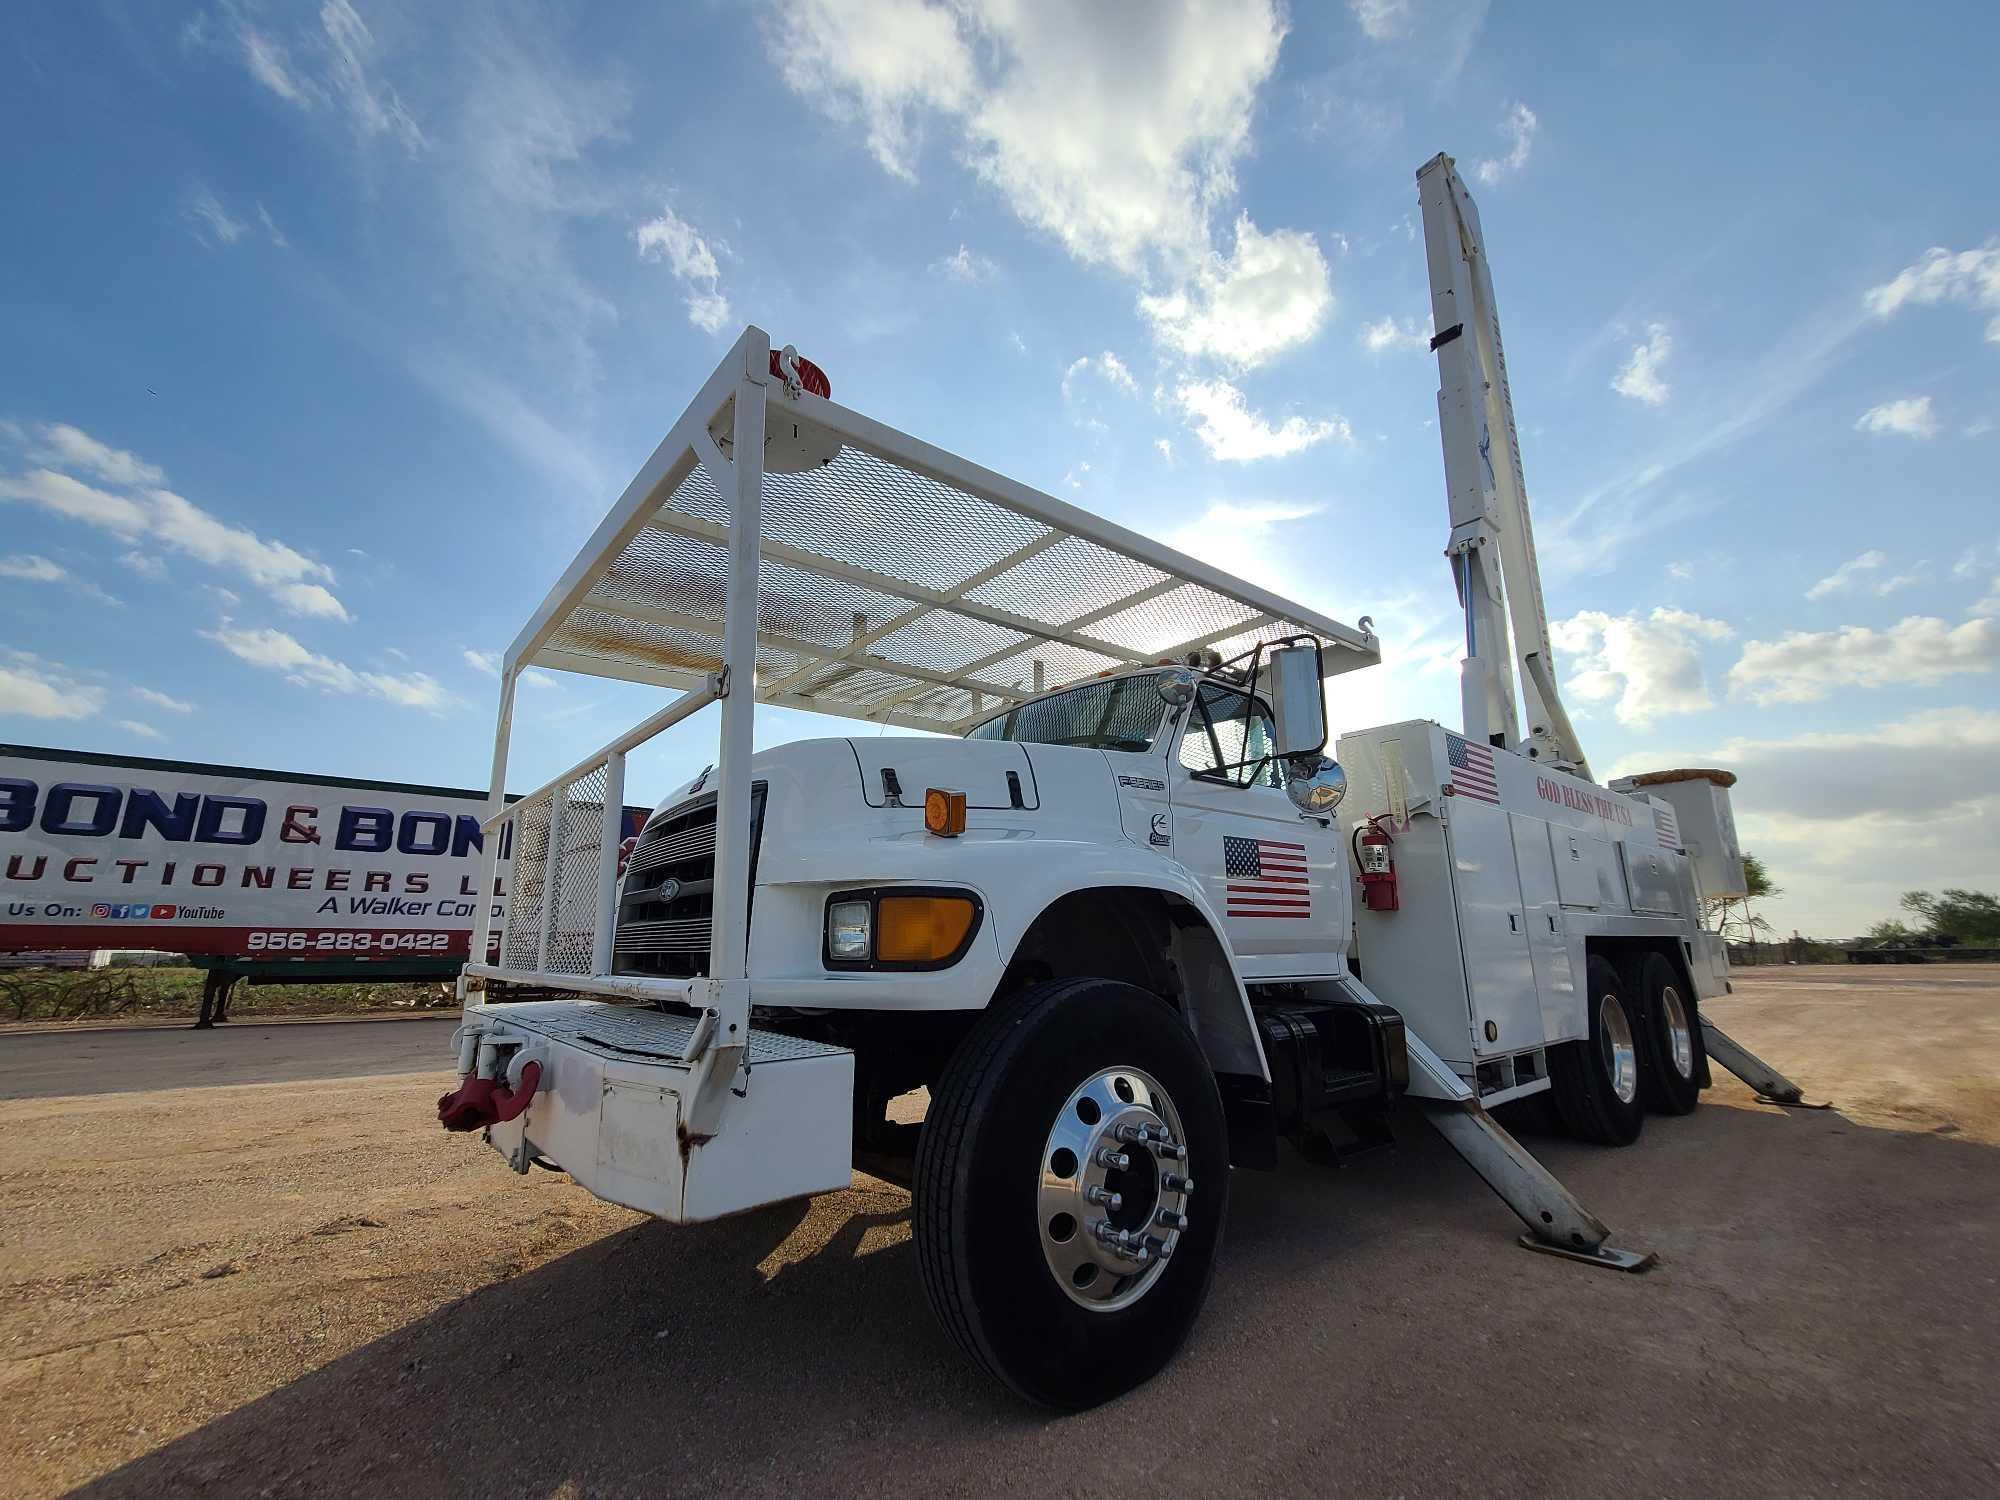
[(1493, 930)]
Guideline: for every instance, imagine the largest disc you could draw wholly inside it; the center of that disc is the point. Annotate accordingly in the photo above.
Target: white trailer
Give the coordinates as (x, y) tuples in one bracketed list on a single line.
[(1111, 927)]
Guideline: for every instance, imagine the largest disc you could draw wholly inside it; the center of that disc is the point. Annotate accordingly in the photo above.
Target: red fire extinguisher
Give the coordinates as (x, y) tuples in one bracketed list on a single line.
[(1376, 866)]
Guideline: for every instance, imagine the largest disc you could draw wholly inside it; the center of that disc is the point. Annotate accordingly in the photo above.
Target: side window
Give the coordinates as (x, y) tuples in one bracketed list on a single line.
[(1222, 732)]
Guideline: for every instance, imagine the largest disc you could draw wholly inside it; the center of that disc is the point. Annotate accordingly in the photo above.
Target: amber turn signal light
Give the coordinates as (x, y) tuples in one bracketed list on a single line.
[(944, 813), (922, 929)]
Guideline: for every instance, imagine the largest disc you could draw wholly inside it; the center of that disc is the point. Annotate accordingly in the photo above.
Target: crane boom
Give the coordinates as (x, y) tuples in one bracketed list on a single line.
[(1492, 548)]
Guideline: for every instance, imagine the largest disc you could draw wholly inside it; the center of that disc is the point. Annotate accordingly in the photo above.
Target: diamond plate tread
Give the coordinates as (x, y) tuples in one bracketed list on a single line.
[(628, 1031)]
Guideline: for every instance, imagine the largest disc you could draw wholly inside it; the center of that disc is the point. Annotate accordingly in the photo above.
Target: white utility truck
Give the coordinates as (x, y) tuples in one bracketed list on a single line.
[(1114, 927)]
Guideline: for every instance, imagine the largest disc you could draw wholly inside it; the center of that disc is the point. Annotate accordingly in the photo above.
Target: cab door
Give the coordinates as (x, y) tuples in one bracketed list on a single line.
[(1272, 873)]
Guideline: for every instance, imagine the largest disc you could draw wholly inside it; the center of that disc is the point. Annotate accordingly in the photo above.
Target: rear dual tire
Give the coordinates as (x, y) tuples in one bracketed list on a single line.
[(1672, 1059), (1596, 1081)]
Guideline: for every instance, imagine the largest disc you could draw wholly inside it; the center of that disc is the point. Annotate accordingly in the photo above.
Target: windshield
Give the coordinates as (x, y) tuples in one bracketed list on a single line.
[(1114, 713)]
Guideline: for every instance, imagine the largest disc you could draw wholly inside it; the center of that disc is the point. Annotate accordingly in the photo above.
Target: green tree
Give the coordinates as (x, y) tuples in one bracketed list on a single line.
[(1969, 916), (1889, 930), (1730, 917)]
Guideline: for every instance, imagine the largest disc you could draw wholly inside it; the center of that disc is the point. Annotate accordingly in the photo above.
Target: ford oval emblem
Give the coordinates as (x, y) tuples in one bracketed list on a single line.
[(669, 888)]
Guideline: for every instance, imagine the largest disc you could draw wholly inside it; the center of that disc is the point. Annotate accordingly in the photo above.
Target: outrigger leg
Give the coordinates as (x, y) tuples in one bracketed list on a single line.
[(1557, 1223), (1770, 1086)]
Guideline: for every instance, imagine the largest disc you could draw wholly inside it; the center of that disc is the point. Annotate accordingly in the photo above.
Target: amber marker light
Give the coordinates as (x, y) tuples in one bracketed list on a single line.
[(944, 813), (921, 929)]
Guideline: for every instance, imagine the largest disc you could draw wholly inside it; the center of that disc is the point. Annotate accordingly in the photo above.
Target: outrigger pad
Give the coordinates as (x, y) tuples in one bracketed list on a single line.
[(1610, 1258)]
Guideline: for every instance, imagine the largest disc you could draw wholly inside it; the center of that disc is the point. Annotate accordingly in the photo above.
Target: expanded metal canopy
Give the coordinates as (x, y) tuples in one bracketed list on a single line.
[(897, 582)]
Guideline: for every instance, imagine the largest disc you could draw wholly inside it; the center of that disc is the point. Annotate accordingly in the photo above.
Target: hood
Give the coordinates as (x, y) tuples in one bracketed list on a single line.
[(991, 773)]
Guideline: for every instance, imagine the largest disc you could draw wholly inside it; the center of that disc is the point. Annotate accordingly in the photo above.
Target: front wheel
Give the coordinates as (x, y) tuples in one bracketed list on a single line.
[(1070, 1187)]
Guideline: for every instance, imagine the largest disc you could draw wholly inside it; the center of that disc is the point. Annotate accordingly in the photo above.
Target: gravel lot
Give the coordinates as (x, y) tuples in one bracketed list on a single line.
[(254, 1265)]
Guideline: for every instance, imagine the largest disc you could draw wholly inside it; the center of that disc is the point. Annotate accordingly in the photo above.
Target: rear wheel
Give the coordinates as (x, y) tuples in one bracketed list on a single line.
[(1059, 1233), (1670, 1061), (1596, 1081)]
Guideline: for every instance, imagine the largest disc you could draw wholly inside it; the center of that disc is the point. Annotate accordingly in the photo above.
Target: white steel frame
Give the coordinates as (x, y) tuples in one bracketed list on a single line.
[(745, 376)]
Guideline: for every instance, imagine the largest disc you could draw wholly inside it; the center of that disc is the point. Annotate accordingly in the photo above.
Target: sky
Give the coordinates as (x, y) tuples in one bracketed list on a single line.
[(332, 329)]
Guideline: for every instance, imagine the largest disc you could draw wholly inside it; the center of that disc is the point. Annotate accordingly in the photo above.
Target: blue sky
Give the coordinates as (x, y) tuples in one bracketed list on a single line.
[(332, 328)]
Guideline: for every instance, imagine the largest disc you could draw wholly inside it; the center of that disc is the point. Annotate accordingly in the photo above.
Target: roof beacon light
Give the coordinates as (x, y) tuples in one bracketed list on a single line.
[(792, 444), (944, 813)]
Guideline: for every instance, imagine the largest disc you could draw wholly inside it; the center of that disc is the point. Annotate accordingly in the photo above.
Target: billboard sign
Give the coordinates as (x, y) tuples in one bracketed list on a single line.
[(101, 851)]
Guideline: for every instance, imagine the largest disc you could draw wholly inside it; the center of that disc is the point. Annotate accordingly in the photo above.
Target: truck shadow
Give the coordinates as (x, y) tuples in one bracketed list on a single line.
[(773, 1350)]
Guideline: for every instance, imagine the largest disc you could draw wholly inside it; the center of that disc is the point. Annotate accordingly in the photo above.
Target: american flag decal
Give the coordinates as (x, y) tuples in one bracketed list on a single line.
[(1265, 878), (1472, 769)]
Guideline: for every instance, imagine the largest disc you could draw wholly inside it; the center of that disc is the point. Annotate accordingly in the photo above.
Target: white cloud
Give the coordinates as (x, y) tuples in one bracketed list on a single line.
[(964, 265), (32, 568), (1680, 570), (1231, 431), (170, 520), (343, 48), (1969, 277), (1108, 366), (64, 496), (187, 528), (282, 653), (1386, 335), (1519, 126), (144, 564), (1381, 20), (488, 662), (1114, 129), (162, 700), (1848, 574), (1645, 666), (373, 108), (43, 690), (1909, 417), (1640, 379), (672, 239), (133, 726), (1244, 540), (1805, 666), (65, 447), (213, 224), (271, 227), (310, 599), (1166, 448), (1271, 294)]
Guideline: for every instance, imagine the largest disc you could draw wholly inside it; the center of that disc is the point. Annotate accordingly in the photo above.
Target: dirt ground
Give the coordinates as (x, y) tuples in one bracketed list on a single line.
[(266, 1271)]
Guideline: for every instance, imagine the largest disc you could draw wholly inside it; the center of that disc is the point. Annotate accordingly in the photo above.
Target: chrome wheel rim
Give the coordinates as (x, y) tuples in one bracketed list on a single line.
[(1113, 1190), (1620, 1057), (1680, 1035)]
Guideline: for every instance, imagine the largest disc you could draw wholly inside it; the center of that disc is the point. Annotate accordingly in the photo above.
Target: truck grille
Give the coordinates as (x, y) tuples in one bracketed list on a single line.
[(667, 908)]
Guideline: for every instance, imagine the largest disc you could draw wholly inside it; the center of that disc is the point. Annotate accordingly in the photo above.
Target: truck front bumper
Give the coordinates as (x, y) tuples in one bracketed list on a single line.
[(621, 1110)]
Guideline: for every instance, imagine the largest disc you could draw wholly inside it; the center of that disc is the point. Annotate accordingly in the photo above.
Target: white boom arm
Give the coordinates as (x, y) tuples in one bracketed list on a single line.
[(1492, 547)]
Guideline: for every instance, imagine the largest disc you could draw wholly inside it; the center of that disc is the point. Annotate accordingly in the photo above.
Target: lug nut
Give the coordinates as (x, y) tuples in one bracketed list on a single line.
[(1129, 1133), (1169, 1183), (1157, 1246), (1116, 1161), (1096, 1194), (1166, 1218), (1170, 1150)]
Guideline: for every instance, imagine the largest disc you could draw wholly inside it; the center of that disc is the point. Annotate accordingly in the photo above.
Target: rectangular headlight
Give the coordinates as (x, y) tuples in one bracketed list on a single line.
[(849, 937)]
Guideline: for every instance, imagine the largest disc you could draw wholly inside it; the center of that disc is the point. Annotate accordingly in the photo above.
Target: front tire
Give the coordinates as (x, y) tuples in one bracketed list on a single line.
[(1039, 1252), (1596, 1081)]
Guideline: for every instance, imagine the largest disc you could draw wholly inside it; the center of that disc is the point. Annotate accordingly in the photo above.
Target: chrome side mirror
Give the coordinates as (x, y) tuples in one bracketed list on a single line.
[(1315, 785), (1297, 698), (1175, 687)]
